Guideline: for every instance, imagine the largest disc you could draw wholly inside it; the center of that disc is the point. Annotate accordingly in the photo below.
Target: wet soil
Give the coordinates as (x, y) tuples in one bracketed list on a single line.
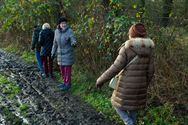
[(41, 101)]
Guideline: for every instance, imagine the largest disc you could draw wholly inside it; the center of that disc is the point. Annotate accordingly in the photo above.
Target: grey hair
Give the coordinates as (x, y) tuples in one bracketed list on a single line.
[(45, 26)]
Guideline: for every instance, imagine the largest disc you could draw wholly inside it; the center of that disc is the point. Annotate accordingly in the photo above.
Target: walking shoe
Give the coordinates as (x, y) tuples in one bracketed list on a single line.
[(61, 85), (43, 75), (65, 87)]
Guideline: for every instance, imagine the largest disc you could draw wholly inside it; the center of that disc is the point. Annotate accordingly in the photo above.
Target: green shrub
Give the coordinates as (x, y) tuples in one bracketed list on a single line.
[(161, 115)]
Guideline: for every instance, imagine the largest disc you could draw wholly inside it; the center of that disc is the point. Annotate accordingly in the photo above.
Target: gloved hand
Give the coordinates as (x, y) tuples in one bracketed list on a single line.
[(73, 44)]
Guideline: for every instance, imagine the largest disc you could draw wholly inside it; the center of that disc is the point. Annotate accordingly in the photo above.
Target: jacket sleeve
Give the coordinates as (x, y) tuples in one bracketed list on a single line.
[(119, 63), (54, 47), (34, 40), (151, 69), (41, 39), (72, 38)]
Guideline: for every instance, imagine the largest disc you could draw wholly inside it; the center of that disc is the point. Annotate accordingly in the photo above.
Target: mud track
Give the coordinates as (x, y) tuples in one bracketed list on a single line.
[(47, 105)]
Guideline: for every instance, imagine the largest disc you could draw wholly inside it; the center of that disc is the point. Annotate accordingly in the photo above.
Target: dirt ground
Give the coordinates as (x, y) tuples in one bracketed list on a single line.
[(45, 103)]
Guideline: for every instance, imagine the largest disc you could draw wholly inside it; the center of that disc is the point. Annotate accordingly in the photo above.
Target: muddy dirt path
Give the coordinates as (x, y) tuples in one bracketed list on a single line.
[(46, 104)]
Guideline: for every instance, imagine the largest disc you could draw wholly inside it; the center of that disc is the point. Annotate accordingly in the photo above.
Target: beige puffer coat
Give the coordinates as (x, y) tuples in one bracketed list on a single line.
[(131, 91)]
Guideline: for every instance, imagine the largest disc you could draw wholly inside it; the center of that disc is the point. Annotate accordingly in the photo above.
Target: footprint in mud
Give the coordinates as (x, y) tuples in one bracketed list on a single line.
[(66, 99)]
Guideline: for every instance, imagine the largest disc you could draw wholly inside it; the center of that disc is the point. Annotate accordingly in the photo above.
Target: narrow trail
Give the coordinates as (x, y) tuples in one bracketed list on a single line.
[(47, 105)]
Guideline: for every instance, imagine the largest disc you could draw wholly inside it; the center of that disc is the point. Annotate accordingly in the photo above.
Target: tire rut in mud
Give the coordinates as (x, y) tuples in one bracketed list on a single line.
[(47, 105)]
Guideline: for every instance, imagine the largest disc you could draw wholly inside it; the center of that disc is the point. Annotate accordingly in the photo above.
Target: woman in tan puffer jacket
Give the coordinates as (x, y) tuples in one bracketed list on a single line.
[(130, 93)]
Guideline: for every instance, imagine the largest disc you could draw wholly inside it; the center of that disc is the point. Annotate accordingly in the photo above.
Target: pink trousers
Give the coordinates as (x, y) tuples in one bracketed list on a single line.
[(48, 65), (66, 74)]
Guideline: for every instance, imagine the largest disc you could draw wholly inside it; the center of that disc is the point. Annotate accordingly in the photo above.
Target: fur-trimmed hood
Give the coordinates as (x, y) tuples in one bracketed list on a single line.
[(142, 46)]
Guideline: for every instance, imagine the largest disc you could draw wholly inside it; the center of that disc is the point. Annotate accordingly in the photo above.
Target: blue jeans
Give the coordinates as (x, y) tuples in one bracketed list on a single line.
[(39, 62), (128, 117)]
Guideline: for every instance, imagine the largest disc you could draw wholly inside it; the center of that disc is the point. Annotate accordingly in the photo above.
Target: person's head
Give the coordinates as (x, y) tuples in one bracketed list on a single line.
[(62, 23), (35, 26), (137, 30), (46, 26)]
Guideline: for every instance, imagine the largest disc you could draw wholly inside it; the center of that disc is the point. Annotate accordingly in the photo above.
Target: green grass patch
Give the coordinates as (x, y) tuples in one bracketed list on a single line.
[(29, 57), (161, 115), (24, 107), (10, 118), (3, 80), (9, 88), (12, 49)]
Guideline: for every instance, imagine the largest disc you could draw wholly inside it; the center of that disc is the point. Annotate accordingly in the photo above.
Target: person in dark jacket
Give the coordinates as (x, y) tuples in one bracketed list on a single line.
[(64, 43), (46, 42), (130, 94), (35, 46)]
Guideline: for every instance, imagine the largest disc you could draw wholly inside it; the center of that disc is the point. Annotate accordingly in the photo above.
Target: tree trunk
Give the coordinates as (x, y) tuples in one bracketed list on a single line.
[(142, 9), (106, 3), (142, 2), (186, 7), (167, 8), (1, 2), (60, 8)]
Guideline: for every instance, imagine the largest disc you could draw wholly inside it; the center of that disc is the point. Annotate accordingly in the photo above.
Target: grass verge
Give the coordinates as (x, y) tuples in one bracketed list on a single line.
[(10, 91)]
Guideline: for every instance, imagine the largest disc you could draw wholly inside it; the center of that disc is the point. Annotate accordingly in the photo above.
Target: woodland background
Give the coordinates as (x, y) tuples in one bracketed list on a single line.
[(101, 26)]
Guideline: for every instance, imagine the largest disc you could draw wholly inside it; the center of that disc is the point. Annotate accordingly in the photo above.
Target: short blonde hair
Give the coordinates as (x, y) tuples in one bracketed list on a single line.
[(45, 26)]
